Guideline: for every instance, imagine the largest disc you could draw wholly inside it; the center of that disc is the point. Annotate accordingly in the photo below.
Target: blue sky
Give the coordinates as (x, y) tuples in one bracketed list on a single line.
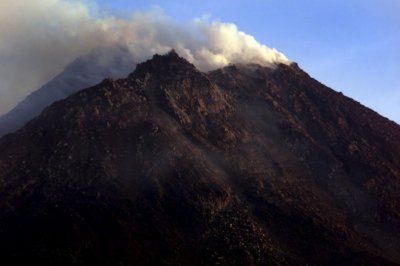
[(352, 46)]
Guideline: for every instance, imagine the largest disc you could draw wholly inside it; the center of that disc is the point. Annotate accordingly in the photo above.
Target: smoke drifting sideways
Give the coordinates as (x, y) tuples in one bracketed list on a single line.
[(38, 38)]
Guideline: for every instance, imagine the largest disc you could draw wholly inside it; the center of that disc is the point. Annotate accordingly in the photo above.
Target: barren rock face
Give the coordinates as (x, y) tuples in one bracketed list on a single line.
[(245, 165)]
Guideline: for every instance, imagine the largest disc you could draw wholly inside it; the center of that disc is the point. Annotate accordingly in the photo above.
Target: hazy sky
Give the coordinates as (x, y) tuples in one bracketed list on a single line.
[(352, 46)]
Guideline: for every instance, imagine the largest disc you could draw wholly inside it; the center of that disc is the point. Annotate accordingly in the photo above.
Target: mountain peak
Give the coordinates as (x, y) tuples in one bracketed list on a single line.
[(173, 53), (165, 64)]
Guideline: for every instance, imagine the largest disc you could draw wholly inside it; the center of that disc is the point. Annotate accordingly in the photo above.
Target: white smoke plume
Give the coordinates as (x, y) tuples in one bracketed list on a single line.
[(38, 38)]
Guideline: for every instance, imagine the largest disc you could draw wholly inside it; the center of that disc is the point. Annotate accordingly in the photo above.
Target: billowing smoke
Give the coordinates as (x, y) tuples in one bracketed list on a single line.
[(38, 38)]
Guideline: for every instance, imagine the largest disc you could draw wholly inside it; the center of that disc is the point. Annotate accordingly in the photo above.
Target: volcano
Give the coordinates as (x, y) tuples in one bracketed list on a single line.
[(244, 165)]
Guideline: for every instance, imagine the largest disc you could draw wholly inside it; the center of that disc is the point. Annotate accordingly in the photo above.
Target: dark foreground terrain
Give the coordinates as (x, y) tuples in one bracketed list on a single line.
[(245, 165)]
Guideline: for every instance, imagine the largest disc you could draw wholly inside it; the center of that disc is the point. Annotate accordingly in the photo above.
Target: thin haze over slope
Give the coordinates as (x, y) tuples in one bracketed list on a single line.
[(39, 37)]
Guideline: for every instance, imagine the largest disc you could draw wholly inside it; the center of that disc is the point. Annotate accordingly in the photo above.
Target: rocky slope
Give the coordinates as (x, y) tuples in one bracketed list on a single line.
[(85, 71), (245, 165)]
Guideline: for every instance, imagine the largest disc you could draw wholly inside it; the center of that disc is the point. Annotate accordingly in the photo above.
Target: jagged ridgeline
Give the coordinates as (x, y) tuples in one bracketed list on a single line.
[(245, 165)]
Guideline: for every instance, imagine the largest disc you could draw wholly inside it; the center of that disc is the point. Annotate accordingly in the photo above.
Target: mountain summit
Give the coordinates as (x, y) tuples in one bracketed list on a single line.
[(245, 165)]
